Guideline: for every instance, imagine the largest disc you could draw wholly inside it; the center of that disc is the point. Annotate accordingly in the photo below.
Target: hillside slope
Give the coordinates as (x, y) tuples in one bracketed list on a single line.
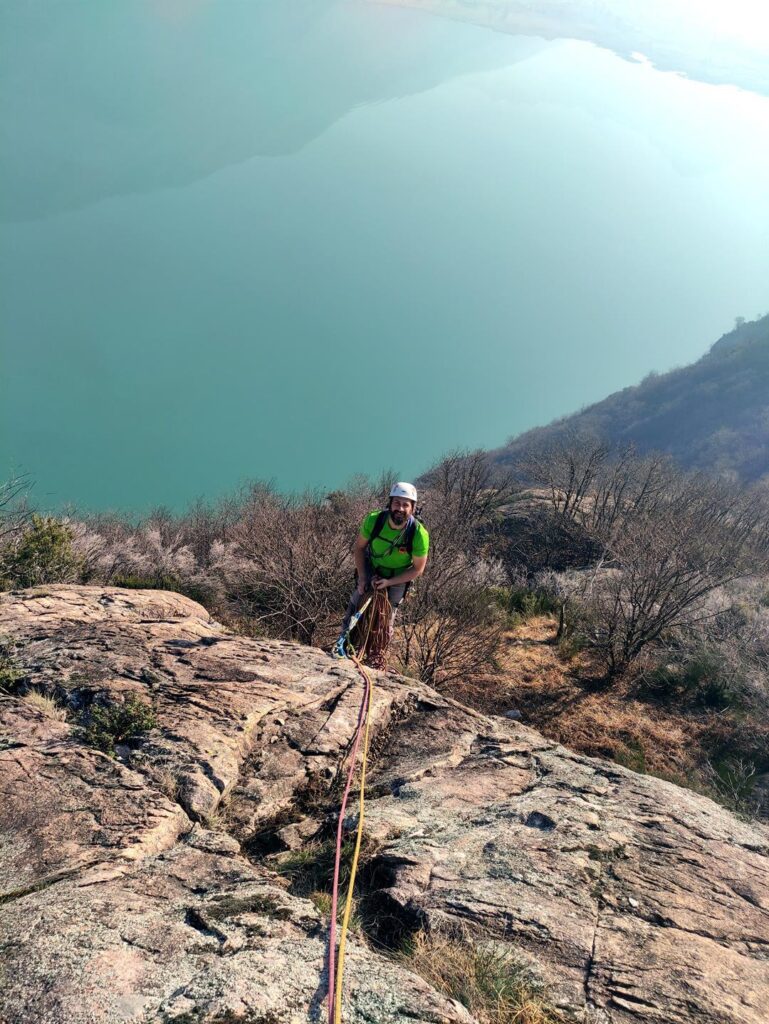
[(711, 416), (155, 886)]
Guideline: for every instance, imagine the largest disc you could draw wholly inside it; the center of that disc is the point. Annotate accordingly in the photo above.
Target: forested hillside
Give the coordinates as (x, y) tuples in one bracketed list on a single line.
[(712, 415)]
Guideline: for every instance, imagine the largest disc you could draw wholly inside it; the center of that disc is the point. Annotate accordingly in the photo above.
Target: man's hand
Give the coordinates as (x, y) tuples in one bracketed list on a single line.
[(361, 588), (380, 584)]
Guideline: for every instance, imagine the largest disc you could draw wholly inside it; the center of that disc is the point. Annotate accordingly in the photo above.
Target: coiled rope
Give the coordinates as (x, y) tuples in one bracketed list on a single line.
[(378, 620)]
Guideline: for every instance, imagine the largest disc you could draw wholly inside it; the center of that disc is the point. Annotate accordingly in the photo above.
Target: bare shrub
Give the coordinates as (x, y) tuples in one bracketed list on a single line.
[(153, 554), (667, 541), (733, 780), (15, 512), (452, 625), (288, 565), (204, 525), (720, 660), (275, 564), (597, 485), (467, 490)]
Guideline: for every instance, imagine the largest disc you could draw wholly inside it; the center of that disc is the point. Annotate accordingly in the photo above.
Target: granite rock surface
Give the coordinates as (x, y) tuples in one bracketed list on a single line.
[(143, 888)]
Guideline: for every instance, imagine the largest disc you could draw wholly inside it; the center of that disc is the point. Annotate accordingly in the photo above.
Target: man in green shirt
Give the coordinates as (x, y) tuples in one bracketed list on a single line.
[(390, 552)]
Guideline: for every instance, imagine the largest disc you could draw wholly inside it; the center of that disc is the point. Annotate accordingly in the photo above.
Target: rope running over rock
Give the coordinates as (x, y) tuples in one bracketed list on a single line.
[(377, 635)]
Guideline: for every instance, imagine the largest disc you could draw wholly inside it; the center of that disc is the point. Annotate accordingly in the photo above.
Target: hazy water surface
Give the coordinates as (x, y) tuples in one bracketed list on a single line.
[(308, 239)]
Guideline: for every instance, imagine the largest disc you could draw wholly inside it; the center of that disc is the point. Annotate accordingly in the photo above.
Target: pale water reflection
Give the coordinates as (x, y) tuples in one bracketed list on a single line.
[(307, 239)]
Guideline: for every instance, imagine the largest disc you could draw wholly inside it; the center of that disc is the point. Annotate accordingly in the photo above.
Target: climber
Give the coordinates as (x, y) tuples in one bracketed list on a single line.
[(390, 552)]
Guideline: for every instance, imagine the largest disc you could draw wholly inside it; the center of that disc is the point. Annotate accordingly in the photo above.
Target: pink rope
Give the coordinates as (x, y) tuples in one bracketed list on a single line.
[(338, 856)]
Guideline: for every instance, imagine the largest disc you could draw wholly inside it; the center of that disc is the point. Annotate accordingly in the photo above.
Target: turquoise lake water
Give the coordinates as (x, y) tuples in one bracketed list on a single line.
[(305, 240)]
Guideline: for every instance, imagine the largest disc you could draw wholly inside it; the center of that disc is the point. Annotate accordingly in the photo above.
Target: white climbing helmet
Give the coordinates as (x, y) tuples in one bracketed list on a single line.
[(404, 490)]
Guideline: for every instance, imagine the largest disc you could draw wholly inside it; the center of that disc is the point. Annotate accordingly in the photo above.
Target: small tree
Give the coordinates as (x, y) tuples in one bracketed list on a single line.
[(666, 540)]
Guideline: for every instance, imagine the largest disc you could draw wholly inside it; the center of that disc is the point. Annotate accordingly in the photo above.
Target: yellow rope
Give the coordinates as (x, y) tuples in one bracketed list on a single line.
[(361, 812), (356, 854)]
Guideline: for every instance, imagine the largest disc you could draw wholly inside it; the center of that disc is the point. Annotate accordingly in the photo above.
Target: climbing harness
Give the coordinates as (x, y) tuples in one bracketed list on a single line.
[(380, 612)]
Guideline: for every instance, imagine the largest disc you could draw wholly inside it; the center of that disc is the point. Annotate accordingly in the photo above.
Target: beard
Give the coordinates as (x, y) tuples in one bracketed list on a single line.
[(398, 517)]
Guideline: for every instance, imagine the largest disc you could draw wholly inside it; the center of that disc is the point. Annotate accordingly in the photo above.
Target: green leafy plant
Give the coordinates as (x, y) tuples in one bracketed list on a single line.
[(525, 602), (310, 868), (104, 727), (632, 755), (704, 678), (310, 871), (9, 670), (133, 581), (42, 555)]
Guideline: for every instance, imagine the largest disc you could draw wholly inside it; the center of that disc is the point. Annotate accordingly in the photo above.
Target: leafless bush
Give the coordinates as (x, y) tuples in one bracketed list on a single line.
[(154, 553), (667, 541), (15, 512), (597, 485), (288, 565), (451, 626), (720, 660), (466, 489), (734, 781)]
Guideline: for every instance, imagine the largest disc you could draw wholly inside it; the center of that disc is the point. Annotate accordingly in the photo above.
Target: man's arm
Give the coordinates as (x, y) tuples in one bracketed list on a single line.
[(413, 572)]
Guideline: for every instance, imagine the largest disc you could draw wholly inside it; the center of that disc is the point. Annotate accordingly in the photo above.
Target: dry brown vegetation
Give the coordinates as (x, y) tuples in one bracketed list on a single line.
[(698, 747), (553, 695), (47, 706), (659, 542), (487, 978)]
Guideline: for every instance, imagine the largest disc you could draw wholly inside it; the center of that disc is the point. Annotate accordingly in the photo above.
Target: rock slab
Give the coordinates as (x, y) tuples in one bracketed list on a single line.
[(142, 888)]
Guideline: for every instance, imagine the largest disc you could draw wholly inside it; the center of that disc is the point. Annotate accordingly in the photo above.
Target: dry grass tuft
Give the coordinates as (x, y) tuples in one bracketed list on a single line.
[(168, 783), (47, 706), (486, 978), (220, 819)]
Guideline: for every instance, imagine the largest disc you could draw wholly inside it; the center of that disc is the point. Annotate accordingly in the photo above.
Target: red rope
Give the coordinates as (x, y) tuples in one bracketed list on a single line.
[(377, 627), (338, 855)]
